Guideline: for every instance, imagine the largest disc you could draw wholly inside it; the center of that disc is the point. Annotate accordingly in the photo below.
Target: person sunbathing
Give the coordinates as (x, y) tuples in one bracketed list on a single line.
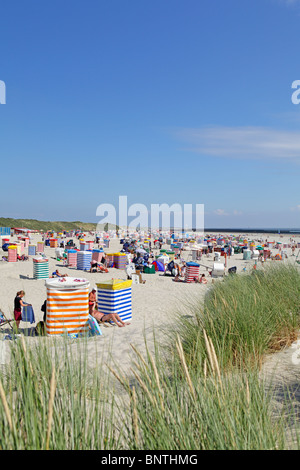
[(99, 316), (103, 317), (202, 279), (58, 274), (22, 258)]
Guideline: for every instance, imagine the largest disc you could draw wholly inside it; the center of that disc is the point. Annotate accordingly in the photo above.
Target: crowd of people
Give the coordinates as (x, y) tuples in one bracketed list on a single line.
[(142, 255)]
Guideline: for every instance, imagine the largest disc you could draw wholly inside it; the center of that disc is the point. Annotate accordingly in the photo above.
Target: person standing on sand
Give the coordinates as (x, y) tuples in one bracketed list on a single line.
[(18, 304)]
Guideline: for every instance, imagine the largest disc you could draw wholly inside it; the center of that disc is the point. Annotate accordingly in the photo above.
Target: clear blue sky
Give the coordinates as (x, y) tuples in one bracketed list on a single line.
[(165, 101)]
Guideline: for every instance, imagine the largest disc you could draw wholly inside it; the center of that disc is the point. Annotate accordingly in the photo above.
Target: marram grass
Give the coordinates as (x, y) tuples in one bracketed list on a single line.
[(187, 408), (246, 317), (49, 399), (202, 393)]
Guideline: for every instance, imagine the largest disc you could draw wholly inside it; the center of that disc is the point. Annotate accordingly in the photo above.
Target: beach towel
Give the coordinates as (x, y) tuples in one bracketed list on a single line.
[(94, 328), (28, 314)]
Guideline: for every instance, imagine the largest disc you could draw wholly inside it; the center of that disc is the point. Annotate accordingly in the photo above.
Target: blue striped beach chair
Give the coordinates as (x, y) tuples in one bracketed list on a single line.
[(114, 296)]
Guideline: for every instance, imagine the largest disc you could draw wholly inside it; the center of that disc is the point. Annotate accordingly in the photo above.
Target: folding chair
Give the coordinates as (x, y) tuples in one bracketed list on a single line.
[(4, 320)]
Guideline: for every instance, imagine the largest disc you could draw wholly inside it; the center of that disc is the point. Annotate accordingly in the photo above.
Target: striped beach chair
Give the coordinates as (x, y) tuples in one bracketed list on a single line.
[(72, 258), (192, 272), (12, 254), (120, 260), (84, 259), (40, 268), (67, 306), (31, 250), (114, 296)]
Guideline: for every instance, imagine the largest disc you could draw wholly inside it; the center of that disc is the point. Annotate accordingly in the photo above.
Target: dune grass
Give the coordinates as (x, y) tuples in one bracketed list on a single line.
[(188, 408), (203, 392), (246, 317), (51, 400)]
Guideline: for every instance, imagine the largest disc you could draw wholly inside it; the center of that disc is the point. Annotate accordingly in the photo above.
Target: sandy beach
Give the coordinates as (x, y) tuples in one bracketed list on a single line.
[(155, 304), (158, 305)]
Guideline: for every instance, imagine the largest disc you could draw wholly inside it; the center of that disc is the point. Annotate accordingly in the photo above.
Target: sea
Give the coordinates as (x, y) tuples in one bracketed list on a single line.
[(291, 231)]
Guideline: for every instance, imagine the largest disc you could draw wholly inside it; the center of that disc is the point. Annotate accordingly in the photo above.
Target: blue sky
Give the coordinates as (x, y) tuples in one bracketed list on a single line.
[(165, 101)]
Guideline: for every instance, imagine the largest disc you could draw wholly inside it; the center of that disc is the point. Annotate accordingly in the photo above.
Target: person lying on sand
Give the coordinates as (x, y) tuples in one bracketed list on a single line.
[(22, 258), (58, 274), (99, 316)]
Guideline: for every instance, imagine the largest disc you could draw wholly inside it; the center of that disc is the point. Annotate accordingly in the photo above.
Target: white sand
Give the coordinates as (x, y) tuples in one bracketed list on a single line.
[(154, 304)]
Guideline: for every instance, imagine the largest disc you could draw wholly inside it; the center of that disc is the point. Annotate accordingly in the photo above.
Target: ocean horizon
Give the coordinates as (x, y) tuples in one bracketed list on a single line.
[(254, 230)]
